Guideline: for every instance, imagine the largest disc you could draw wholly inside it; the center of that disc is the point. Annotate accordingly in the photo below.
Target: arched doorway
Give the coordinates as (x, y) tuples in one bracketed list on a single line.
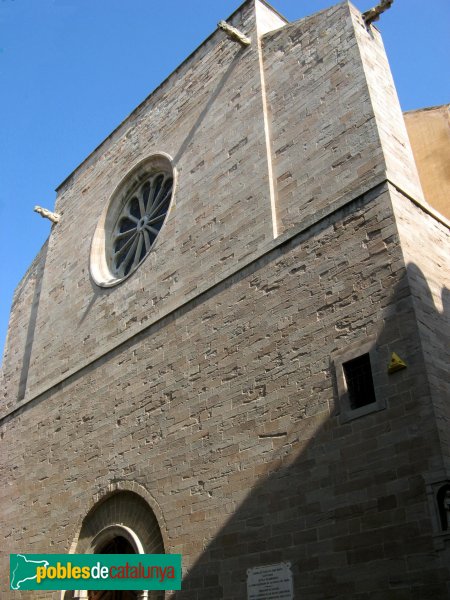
[(115, 545), (120, 523)]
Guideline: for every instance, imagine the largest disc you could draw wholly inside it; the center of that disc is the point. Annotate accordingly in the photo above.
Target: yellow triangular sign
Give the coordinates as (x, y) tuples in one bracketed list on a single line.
[(396, 364)]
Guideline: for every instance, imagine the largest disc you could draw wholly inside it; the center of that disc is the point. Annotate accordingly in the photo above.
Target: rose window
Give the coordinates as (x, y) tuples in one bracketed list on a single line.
[(139, 223), (131, 221)]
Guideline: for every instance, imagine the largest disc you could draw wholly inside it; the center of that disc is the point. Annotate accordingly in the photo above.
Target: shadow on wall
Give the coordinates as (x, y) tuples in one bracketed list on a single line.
[(39, 274), (350, 512)]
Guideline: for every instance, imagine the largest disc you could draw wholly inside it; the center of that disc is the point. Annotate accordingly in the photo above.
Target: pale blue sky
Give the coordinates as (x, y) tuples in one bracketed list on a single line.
[(72, 70)]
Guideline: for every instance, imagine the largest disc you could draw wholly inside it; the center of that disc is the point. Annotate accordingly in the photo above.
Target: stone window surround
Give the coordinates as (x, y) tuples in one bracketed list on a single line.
[(99, 268), (440, 537), (354, 350)]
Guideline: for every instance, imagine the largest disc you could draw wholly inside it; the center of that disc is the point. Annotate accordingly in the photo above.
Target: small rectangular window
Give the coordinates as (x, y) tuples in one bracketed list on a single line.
[(358, 377)]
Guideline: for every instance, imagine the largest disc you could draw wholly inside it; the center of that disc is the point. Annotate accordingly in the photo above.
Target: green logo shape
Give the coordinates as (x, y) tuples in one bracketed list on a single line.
[(95, 571)]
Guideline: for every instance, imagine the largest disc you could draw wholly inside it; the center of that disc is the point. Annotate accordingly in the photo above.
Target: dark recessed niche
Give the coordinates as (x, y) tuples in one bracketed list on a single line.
[(359, 380)]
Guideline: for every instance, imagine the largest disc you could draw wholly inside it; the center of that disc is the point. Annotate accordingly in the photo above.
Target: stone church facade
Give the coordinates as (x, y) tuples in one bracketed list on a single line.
[(257, 374)]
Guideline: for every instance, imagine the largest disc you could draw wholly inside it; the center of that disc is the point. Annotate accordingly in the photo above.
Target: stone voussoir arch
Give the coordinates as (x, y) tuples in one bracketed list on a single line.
[(124, 509)]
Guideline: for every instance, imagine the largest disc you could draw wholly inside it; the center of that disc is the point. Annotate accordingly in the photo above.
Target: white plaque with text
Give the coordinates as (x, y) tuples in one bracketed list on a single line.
[(270, 582)]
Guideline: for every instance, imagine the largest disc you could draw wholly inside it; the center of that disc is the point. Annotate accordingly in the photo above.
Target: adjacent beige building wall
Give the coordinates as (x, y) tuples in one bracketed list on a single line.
[(429, 134)]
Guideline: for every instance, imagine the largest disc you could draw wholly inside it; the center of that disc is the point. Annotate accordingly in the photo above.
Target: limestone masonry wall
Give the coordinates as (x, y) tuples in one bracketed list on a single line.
[(425, 243), (325, 140), (206, 383), (21, 329), (400, 166), (226, 413), (208, 117)]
